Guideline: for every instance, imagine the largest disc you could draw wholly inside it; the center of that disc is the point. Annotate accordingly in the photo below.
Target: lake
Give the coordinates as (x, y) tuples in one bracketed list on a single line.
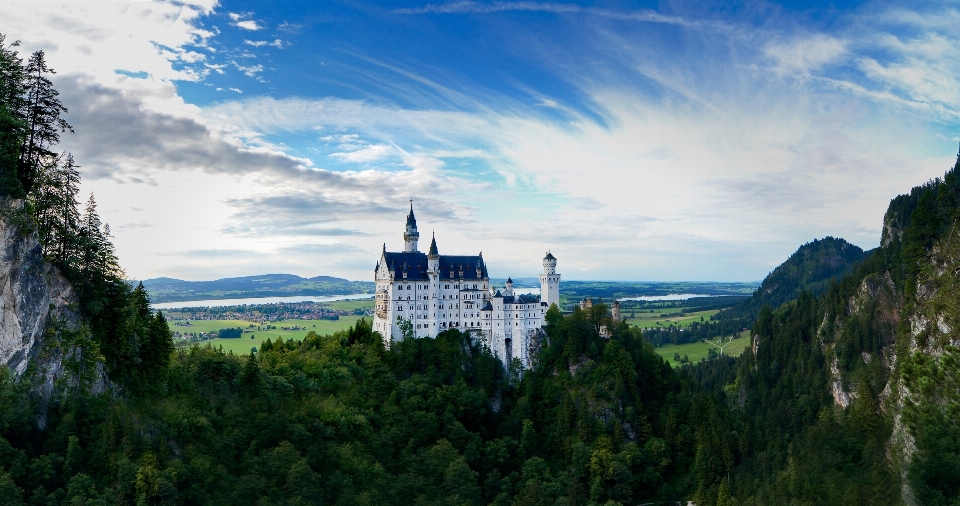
[(258, 300), (275, 300), (672, 296)]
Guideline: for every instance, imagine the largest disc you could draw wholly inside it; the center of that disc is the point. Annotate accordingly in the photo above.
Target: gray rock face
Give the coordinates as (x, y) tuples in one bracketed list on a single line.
[(33, 294)]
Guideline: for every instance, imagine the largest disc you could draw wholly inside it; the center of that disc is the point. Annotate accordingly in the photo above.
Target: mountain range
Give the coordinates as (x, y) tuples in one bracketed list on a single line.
[(290, 285), (265, 285)]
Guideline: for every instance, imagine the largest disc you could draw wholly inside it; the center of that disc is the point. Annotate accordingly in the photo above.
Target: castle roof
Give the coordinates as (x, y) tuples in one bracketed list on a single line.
[(433, 247), (548, 257), (411, 220), (521, 299), (416, 266), (466, 263)]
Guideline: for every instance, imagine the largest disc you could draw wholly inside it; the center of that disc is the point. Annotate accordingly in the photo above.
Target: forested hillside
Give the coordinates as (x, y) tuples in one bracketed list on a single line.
[(851, 396), (810, 268)]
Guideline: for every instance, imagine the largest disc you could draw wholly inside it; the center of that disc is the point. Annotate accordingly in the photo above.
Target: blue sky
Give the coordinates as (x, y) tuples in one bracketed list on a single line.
[(635, 140)]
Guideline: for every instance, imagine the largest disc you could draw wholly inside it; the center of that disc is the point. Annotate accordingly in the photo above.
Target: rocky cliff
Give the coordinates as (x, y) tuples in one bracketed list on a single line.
[(35, 301)]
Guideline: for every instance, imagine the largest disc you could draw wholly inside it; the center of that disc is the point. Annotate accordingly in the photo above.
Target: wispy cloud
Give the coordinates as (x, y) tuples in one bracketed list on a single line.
[(807, 53), (372, 153), (249, 70), (277, 43), (468, 7)]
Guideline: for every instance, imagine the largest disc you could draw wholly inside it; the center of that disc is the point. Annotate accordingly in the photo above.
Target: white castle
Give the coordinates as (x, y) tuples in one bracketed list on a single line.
[(435, 292)]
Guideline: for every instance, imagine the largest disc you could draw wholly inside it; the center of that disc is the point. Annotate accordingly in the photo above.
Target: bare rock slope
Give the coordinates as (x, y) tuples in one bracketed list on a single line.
[(34, 296)]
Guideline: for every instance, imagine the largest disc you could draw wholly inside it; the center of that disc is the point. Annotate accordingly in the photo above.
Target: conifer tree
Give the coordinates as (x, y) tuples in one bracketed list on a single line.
[(156, 349), (43, 120), (12, 125), (55, 208), (99, 258)]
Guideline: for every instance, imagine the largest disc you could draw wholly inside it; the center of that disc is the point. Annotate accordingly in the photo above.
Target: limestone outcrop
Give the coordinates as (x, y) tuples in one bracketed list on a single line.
[(34, 295)]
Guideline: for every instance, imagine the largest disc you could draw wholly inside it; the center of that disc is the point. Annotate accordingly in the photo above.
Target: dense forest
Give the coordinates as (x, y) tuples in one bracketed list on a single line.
[(849, 394), (696, 332)]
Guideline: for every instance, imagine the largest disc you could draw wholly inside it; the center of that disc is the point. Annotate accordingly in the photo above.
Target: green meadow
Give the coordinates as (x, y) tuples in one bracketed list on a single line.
[(255, 333), (651, 318), (253, 336), (698, 351)]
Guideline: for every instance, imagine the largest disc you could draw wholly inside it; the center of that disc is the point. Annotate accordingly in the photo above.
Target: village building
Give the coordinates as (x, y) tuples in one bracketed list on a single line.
[(430, 293)]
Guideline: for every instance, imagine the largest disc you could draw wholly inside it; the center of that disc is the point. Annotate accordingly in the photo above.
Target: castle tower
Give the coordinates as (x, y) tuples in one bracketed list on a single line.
[(550, 281), (615, 310), (508, 289), (410, 234), (433, 258)]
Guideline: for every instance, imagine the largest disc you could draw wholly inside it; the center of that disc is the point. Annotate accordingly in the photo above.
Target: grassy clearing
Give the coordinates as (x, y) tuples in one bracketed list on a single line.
[(698, 351), (350, 305), (257, 334), (649, 318)]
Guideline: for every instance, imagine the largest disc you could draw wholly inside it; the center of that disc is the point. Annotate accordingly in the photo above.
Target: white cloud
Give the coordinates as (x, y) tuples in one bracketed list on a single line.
[(277, 43), (372, 153), (248, 24), (95, 38), (807, 53), (249, 70)]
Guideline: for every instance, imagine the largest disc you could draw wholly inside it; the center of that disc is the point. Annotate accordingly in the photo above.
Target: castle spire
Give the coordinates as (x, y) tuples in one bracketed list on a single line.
[(433, 246), (410, 234)]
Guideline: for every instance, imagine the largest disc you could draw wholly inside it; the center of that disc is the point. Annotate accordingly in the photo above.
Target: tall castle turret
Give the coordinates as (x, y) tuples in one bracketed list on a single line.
[(550, 281), (433, 258), (410, 234)]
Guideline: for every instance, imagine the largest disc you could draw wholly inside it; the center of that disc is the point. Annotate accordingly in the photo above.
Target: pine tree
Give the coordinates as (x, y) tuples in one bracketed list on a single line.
[(251, 370), (13, 128), (98, 257), (723, 495), (43, 121), (155, 350), (55, 209)]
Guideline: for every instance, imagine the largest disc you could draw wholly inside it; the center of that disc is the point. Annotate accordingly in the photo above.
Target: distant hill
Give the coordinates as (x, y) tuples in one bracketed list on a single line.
[(810, 268), (278, 285), (575, 290), (266, 285)]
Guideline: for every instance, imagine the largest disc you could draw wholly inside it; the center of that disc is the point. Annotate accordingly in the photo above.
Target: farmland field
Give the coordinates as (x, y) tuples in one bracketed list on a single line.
[(697, 351), (253, 336), (255, 333), (649, 318)]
